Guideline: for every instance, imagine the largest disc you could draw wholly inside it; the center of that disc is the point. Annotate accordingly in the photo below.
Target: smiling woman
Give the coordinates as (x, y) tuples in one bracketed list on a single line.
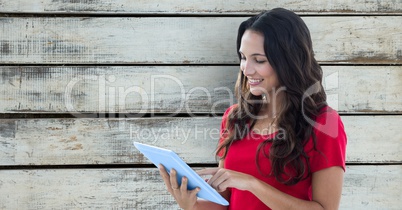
[(300, 168), (261, 77), (81, 79)]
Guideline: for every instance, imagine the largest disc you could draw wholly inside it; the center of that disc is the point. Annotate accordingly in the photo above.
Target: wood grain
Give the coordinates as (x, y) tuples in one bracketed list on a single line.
[(153, 89), (365, 187), (176, 89), (182, 40), (166, 57), (364, 89), (372, 138), (110, 141), (104, 141), (372, 187), (219, 7)]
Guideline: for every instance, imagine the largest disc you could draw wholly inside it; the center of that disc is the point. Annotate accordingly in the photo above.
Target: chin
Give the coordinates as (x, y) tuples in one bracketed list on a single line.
[(256, 93)]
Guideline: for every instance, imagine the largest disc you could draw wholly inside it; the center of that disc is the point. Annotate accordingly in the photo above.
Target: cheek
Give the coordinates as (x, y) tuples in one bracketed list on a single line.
[(267, 71), (270, 75)]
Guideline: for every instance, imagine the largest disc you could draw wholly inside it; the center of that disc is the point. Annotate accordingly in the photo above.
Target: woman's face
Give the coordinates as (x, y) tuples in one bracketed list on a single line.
[(261, 77)]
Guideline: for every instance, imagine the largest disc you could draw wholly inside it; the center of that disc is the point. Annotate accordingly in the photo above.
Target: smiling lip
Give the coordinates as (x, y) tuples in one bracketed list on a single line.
[(254, 82)]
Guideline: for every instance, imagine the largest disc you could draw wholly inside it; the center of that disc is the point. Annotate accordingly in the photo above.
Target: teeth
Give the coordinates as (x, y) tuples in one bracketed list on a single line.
[(255, 80)]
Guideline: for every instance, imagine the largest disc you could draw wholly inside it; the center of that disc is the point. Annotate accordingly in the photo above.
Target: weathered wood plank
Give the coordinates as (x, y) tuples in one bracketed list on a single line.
[(373, 138), (165, 89), (204, 7), (82, 189), (177, 89), (364, 89), (103, 141), (372, 187), (365, 187), (182, 40)]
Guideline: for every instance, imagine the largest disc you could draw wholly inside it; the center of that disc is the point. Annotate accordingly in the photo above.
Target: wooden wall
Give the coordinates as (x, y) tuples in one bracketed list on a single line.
[(80, 80)]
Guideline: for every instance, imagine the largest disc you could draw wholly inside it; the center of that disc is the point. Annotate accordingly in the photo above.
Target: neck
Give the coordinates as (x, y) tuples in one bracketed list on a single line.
[(272, 105)]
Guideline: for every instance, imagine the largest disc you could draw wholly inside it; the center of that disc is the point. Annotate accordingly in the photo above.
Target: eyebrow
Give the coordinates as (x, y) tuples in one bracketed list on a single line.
[(255, 54)]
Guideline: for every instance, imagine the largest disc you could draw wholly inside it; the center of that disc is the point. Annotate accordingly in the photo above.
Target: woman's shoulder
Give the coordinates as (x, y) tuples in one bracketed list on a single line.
[(327, 113), (328, 122), (329, 148)]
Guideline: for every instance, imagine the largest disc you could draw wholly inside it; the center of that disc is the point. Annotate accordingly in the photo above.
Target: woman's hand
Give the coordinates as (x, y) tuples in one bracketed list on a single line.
[(223, 178), (186, 199)]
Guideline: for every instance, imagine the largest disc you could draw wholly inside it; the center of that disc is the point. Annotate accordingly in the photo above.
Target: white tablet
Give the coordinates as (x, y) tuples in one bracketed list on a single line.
[(169, 160)]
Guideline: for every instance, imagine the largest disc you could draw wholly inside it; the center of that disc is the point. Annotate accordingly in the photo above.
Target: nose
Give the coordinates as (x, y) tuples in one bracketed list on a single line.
[(247, 68)]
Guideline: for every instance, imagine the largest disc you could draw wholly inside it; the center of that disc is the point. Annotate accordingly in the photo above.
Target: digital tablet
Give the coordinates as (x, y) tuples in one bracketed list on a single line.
[(169, 160)]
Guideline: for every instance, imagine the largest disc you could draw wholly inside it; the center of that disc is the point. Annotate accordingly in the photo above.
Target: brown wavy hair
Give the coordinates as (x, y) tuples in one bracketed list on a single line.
[(288, 46)]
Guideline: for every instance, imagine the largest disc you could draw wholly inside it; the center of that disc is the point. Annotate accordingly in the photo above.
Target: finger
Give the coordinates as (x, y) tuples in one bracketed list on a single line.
[(216, 175), (220, 177), (220, 182), (222, 186), (207, 171), (173, 179), (183, 186), (162, 171), (165, 177), (195, 191)]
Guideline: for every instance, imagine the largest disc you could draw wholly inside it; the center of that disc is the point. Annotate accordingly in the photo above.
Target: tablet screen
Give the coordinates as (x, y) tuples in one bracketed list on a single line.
[(169, 160)]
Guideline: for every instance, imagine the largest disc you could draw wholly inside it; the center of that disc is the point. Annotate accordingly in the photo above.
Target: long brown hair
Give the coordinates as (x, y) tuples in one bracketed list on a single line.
[(288, 46)]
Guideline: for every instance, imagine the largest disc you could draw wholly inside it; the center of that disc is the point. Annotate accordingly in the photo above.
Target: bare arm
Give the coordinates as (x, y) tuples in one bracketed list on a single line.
[(326, 184), (327, 188)]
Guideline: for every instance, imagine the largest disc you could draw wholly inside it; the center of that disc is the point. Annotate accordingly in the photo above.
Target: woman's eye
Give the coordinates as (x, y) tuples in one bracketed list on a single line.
[(260, 61)]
